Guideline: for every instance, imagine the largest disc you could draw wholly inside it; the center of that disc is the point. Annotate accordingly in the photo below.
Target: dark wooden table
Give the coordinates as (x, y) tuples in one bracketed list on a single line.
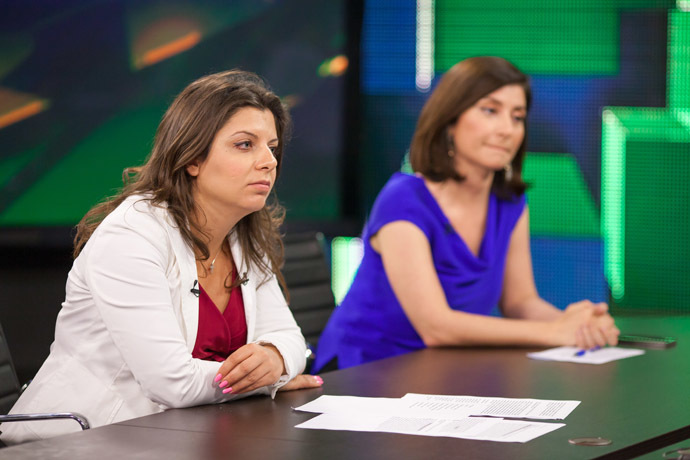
[(642, 404)]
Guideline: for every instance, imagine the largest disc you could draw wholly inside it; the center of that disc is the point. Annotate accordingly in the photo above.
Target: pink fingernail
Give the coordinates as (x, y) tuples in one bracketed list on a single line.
[(227, 390), (318, 379), (224, 383), (218, 377)]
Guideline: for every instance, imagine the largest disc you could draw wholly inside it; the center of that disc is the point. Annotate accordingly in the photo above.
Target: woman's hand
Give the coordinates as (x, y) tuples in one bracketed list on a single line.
[(586, 325), (603, 322), (302, 381), (250, 367)]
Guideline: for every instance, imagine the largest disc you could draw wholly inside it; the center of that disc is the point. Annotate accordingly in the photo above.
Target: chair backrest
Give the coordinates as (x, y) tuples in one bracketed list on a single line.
[(9, 384), (308, 278)]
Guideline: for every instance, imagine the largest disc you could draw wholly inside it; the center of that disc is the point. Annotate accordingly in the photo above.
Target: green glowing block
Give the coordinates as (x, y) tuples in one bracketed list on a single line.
[(346, 254), (559, 201), (679, 61), (539, 36), (645, 191), (645, 211)]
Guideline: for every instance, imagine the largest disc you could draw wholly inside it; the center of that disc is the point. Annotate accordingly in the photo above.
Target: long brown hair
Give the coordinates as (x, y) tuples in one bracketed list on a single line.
[(184, 136), (459, 89)]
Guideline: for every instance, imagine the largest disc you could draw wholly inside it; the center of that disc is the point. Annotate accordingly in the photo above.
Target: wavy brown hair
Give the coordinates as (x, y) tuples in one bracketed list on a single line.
[(459, 89), (184, 136)]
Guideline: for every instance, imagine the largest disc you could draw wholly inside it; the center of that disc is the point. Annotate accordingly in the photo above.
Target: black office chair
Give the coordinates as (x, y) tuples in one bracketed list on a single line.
[(308, 278), (10, 392)]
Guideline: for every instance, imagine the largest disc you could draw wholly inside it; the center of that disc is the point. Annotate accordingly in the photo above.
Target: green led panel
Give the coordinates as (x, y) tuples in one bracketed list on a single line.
[(645, 196), (346, 254), (559, 200), (539, 36), (657, 243), (679, 60), (646, 191), (612, 202)]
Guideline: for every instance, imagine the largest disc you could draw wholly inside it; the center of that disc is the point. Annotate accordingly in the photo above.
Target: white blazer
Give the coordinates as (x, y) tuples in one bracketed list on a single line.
[(125, 334)]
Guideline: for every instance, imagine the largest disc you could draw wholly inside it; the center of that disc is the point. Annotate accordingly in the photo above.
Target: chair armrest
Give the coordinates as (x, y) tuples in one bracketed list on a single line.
[(58, 415)]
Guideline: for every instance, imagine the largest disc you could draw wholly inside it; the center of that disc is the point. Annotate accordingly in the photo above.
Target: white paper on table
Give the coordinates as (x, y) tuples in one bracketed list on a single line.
[(567, 354), (448, 406), (479, 428), (442, 406), (353, 404), (517, 431)]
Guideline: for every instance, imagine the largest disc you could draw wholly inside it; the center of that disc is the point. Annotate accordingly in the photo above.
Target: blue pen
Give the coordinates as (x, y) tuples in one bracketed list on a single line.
[(582, 352)]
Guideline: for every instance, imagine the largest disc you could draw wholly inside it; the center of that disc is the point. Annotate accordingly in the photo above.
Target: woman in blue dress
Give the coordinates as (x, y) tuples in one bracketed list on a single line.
[(444, 246)]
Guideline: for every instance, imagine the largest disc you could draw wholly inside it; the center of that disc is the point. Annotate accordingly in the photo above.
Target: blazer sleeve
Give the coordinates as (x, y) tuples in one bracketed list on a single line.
[(127, 273), (276, 325)]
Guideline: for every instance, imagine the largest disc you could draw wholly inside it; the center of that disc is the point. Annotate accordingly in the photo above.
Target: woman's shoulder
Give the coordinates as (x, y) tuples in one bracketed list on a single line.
[(399, 190), (401, 182), (514, 203), (138, 227), (404, 197), (138, 215), (508, 210), (136, 222), (137, 210)]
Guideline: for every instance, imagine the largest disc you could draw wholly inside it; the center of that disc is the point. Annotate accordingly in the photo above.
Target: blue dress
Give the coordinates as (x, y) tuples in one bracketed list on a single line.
[(370, 324)]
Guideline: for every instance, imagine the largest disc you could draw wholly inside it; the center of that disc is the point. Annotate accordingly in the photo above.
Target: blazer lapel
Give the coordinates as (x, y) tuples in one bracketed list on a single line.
[(186, 263), (248, 287)]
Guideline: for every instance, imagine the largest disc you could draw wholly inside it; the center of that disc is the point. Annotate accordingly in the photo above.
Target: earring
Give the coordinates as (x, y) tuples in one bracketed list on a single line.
[(508, 172), (451, 146)]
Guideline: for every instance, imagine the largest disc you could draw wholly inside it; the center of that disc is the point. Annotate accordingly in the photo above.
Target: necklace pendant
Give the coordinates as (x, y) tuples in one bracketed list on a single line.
[(213, 262)]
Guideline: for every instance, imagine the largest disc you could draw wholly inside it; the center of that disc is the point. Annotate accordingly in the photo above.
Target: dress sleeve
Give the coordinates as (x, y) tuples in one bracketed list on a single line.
[(512, 210), (404, 197)]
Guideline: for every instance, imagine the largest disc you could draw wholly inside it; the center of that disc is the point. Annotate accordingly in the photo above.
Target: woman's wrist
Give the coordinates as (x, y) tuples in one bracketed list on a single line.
[(278, 357), (542, 333)]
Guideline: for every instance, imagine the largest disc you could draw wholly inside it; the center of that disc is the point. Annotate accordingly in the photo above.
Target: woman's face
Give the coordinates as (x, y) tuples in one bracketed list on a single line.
[(240, 169), (488, 134)]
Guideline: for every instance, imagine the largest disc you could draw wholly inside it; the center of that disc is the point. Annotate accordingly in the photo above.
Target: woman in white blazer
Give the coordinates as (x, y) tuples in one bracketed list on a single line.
[(188, 219)]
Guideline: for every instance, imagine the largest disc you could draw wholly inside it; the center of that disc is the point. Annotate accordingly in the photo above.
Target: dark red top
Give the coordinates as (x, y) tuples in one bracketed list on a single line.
[(220, 334)]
